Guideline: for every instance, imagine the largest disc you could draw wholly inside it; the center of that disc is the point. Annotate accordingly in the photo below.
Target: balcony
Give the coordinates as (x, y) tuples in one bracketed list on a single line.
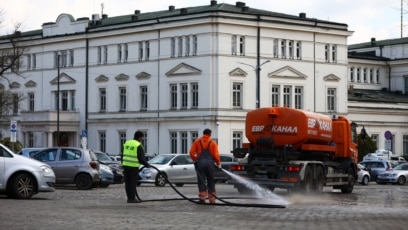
[(49, 116)]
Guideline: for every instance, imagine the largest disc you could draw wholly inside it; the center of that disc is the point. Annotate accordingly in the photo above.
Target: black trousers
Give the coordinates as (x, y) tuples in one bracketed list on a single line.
[(131, 177)]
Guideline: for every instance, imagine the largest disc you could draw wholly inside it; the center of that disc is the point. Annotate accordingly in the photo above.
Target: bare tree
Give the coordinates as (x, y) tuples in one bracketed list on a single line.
[(10, 60)]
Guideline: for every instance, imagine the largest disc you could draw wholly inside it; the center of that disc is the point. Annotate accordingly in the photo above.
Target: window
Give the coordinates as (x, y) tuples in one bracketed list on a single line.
[(180, 46), (187, 39), (143, 97), (236, 95), (299, 97), (327, 53), (64, 100), (234, 45), (194, 135), (102, 100), (144, 141), (122, 140), (358, 74), (173, 142), (15, 104), (122, 99), (31, 102), (371, 75), (242, 46), (275, 95), (298, 50), (352, 74), (374, 138), (275, 48), (126, 54), (119, 53), (105, 54), (287, 95), (140, 51), (173, 96), (173, 47), (28, 61), (195, 45), (184, 142), (72, 94), (194, 95), (334, 53), (71, 57), (184, 96), (283, 48), (331, 100), (236, 139), (102, 141), (30, 139), (99, 61), (63, 58), (377, 76), (405, 145), (365, 75), (147, 53), (291, 49)]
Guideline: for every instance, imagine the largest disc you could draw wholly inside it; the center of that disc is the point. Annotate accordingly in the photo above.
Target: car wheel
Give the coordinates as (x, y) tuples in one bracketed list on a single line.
[(365, 180), (160, 180), (179, 184), (401, 180), (83, 181), (22, 186)]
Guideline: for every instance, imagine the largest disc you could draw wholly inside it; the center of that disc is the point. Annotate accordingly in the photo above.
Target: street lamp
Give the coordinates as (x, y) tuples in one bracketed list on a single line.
[(257, 70), (58, 99)]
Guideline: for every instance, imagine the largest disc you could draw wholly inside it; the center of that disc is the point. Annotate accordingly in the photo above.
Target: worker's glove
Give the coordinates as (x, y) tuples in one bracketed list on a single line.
[(219, 166)]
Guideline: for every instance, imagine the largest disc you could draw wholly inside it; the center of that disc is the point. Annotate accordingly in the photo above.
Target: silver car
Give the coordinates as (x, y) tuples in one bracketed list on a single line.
[(363, 176), (179, 169), (398, 175), (22, 177), (72, 166)]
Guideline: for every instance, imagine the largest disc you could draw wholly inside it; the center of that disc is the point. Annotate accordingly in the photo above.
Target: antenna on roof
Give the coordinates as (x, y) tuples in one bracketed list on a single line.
[(102, 6)]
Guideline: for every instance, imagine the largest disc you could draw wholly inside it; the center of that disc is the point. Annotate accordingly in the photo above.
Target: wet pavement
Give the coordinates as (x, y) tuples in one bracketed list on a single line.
[(368, 207)]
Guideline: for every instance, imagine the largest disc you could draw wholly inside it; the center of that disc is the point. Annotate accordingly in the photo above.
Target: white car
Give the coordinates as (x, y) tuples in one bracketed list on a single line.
[(22, 177), (380, 154), (363, 176)]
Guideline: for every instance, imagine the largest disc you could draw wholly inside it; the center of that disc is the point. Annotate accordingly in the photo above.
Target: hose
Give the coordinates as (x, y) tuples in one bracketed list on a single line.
[(223, 201)]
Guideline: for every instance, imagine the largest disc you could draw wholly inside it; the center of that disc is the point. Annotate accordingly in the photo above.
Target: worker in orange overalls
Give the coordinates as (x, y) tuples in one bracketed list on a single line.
[(204, 153)]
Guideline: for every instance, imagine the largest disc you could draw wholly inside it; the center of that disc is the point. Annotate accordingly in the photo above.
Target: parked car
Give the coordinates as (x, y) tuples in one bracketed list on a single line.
[(380, 154), (363, 176), (376, 167), (114, 166), (116, 158), (226, 161), (178, 168), (72, 166), (22, 177), (29, 152), (107, 176), (397, 175)]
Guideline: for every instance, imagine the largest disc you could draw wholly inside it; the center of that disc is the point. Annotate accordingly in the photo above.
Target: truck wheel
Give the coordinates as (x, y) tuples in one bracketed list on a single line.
[(350, 185), (319, 182), (307, 184)]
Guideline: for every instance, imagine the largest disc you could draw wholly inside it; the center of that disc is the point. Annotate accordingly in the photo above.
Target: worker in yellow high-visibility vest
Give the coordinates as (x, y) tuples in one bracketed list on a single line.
[(133, 155)]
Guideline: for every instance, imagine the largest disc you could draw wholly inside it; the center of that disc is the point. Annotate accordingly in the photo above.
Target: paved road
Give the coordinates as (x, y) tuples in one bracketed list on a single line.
[(368, 207)]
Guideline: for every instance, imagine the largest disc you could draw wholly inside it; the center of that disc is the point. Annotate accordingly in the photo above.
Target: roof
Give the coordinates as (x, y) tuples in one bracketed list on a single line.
[(384, 96), (374, 43)]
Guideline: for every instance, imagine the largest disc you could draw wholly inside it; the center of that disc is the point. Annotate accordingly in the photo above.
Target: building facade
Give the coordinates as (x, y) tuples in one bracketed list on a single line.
[(173, 73)]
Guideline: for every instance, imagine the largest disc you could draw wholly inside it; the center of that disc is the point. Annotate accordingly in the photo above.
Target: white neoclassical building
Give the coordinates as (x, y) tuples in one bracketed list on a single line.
[(173, 73)]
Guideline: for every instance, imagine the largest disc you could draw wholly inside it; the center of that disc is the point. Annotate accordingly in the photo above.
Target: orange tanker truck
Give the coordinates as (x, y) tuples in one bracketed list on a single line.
[(297, 150)]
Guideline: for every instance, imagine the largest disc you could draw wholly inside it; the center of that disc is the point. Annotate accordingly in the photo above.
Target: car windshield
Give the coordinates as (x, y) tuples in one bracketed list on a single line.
[(161, 159), (102, 156), (401, 167)]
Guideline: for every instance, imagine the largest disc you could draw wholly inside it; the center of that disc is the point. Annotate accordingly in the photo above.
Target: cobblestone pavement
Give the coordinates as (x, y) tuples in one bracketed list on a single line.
[(368, 207)]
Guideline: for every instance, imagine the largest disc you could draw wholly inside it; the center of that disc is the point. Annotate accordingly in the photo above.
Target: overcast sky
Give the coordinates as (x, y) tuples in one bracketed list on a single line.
[(367, 18)]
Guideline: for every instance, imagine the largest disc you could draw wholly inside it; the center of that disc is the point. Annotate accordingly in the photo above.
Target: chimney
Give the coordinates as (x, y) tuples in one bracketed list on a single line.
[(183, 11), (302, 15), (240, 4), (137, 12), (373, 43), (213, 3), (171, 8), (104, 16)]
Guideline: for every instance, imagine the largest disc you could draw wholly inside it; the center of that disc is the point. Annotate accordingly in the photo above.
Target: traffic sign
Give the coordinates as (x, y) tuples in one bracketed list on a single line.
[(84, 133), (13, 126), (388, 135)]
